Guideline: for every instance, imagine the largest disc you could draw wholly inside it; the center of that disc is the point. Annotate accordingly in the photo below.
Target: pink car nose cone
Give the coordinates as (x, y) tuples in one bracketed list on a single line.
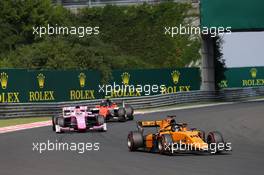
[(81, 123)]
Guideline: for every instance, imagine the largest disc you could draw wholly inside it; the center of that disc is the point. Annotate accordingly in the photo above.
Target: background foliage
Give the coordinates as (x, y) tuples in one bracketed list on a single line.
[(130, 37), (219, 62)]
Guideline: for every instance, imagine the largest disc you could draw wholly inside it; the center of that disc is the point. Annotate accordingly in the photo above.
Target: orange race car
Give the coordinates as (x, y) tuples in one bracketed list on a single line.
[(113, 111), (171, 137)]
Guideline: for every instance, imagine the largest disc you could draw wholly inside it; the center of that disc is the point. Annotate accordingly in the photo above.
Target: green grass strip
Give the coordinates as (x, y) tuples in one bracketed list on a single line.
[(17, 121)]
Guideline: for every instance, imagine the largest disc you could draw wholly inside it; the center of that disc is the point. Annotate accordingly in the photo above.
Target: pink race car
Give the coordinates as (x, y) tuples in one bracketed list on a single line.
[(78, 118)]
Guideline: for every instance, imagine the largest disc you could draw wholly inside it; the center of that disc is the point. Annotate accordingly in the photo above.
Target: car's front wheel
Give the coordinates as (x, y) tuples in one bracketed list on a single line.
[(54, 123), (59, 125), (165, 144), (214, 139)]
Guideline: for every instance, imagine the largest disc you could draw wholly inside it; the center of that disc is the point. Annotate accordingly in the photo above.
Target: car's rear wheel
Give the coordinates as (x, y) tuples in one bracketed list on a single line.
[(121, 114), (165, 144), (129, 112), (215, 138), (54, 123), (135, 140)]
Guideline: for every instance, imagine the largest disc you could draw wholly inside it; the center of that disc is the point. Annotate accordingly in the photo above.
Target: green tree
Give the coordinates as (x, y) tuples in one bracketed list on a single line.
[(130, 37), (17, 19), (70, 53), (139, 31), (219, 62)]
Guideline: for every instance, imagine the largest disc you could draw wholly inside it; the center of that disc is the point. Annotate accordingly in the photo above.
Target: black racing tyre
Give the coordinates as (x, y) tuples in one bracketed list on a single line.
[(135, 140), (121, 114), (165, 144), (100, 120), (61, 121), (54, 122), (213, 139), (129, 112)]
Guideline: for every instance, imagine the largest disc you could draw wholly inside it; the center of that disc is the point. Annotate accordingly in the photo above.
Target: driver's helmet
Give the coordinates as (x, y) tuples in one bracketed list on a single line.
[(173, 123), (175, 127), (77, 109)]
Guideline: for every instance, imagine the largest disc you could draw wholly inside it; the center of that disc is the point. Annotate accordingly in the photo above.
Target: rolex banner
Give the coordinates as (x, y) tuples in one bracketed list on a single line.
[(155, 81), (243, 77), (47, 86), (20, 85)]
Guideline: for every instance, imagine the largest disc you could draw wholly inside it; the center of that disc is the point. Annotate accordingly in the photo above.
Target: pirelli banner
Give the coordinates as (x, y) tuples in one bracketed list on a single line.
[(243, 77), (20, 85)]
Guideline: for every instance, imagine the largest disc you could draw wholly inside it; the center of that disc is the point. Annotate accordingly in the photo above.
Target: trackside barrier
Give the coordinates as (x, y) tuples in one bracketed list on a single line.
[(96, 3), (12, 110)]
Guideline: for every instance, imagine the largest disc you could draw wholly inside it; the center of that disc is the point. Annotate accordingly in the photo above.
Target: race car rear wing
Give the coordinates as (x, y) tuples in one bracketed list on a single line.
[(151, 123), (148, 124)]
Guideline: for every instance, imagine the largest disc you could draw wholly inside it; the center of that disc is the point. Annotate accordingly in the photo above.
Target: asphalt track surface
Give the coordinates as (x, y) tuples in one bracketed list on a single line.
[(241, 124)]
